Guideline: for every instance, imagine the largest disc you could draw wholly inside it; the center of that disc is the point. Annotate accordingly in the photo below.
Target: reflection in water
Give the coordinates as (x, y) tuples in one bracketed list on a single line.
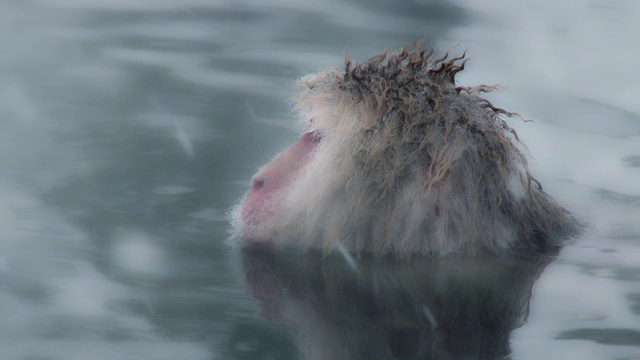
[(422, 308)]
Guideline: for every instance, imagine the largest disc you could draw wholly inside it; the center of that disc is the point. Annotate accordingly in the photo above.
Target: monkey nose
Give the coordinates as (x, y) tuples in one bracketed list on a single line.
[(257, 184)]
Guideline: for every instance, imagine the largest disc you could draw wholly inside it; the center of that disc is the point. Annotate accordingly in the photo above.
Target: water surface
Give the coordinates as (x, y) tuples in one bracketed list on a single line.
[(128, 129)]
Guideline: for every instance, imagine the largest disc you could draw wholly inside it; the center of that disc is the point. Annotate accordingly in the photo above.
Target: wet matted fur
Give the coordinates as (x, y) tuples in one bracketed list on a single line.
[(409, 163)]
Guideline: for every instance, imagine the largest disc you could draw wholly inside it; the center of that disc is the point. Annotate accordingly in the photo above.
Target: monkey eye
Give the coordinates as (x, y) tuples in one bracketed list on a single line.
[(317, 136), (313, 136)]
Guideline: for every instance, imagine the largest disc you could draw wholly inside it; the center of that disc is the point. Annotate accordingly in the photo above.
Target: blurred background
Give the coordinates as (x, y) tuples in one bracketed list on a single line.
[(128, 129)]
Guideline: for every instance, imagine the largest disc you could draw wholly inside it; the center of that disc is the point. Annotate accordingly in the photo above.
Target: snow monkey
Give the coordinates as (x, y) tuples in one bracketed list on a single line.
[(396, 158)]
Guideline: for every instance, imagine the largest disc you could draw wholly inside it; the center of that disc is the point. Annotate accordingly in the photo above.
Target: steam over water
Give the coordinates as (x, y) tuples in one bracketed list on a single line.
[(129, 128)]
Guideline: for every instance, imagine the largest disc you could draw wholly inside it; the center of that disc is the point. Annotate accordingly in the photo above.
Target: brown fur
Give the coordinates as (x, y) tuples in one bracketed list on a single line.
[(411, 163)]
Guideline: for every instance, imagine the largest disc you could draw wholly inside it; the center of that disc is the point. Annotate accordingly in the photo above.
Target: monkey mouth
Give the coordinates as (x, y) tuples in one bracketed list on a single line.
[(252, 218)]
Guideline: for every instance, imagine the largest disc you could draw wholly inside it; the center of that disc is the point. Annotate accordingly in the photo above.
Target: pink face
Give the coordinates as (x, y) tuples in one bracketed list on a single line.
[(264, 201)]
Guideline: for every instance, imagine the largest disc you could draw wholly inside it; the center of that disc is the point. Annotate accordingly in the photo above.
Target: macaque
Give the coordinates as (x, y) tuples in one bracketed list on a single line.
[(396, 158)]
